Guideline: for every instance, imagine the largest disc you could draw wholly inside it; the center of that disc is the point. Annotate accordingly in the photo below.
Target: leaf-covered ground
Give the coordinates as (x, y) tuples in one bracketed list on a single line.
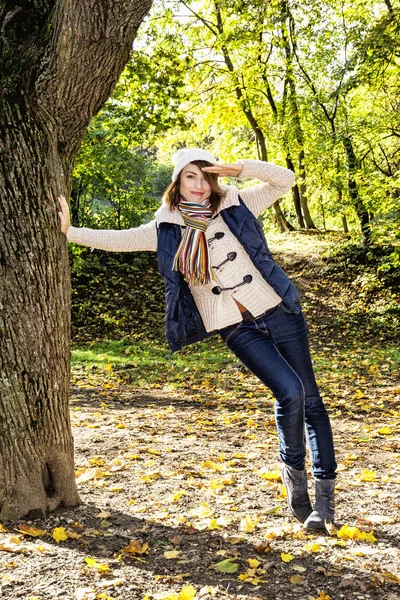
[(178, 470)]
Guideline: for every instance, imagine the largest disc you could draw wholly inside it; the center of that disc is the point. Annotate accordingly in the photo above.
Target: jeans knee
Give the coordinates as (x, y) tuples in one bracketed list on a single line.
[(293, 401), (314, 405)]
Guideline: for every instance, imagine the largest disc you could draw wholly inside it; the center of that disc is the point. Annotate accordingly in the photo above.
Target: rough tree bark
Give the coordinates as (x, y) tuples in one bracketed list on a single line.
[(59, 61)]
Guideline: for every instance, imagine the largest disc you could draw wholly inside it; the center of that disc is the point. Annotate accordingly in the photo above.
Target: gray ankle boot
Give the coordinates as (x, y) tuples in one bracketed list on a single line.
[(295, 482), (324, 504)]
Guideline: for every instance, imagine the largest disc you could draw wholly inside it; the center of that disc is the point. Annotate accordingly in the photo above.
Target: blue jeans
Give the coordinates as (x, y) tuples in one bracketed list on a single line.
[(275, 348)]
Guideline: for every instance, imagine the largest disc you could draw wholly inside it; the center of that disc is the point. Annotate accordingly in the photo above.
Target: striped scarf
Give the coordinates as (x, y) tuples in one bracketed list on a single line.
[(192, 258)]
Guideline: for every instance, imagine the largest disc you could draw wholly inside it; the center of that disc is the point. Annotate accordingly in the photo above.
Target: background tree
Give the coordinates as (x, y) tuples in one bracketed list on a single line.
[(59, 62)]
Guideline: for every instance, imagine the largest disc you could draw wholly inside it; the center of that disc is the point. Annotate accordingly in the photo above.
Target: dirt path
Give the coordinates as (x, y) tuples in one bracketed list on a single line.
[(181, 494)]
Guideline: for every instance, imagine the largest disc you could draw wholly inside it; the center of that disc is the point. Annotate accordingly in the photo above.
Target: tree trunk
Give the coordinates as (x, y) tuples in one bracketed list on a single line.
[(295, 114), (303, 193), (59, 62), (279, 118), (355, 197), (281, 221), (296, 195)]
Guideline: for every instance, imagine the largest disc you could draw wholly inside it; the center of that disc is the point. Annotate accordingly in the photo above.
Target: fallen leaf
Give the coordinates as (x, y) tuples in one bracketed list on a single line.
[(104, 514), (13, 544), (187, 593), (253, 562), (367, 475), (384, 431), (248, 524), (134, 548), (263, 548), (172, 553), (377, 519), (226, 566), (270, 475), (98, 566), (297, 579), (313, 547), (347, 532), (59, 534), (299, 568), (201, 511), (286, 557), (30, 530)]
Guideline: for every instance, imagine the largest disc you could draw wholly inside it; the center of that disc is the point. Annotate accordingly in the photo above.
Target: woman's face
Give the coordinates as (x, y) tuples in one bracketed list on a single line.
[(193, 186)]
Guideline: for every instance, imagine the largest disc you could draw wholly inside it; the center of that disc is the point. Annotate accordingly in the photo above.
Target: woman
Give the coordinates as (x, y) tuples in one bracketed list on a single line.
[(220, 278)]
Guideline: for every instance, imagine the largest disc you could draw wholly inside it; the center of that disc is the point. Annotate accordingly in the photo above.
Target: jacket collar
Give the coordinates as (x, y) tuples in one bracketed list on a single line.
[(165, 215)]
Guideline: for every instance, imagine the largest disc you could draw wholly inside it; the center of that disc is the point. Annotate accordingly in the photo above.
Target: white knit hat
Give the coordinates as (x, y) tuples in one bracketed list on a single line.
[(187, 155)]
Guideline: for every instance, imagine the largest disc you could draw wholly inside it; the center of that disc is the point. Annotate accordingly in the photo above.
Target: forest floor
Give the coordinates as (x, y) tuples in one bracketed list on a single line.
[(179, 476)]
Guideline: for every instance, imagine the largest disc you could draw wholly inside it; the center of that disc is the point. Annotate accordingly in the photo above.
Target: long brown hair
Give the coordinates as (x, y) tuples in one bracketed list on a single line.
[(172, 194)]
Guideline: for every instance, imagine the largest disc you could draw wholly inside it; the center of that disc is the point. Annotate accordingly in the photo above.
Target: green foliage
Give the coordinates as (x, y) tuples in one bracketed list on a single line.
[(319, 77), (115, 295)]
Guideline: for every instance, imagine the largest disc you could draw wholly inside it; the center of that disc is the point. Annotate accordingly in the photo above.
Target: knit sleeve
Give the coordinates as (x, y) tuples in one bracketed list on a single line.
[(277, 181), (125, 240)]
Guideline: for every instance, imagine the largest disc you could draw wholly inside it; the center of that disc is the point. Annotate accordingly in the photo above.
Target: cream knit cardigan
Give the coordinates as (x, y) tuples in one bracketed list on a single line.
[(217, 311)]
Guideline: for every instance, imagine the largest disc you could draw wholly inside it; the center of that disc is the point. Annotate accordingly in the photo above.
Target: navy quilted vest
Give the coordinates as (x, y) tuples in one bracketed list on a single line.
[(182, 319)]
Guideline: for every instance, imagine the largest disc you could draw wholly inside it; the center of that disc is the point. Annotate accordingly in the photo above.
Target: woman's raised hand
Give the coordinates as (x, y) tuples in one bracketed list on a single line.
[(64, 214), (225, 170)]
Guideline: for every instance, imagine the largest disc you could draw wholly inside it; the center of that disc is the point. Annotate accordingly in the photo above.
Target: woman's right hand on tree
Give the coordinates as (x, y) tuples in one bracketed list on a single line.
[(64, 215)]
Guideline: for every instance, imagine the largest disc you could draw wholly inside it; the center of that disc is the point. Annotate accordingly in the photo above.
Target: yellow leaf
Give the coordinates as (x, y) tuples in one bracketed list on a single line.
[(286, 557), (73, 534), (270, 475), (213, 524), (253, 562), (30, 530), (277, 532), (3, 529), (98, 566), (312, 547), (391, 576), (153, 451), (297, 579), (352, 533), (151, 476), (172, 553), (248, 524), (370, 538), (187, 593), (367, 475), (176, 496), (209, 464), (384, 431), (59, 534)]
